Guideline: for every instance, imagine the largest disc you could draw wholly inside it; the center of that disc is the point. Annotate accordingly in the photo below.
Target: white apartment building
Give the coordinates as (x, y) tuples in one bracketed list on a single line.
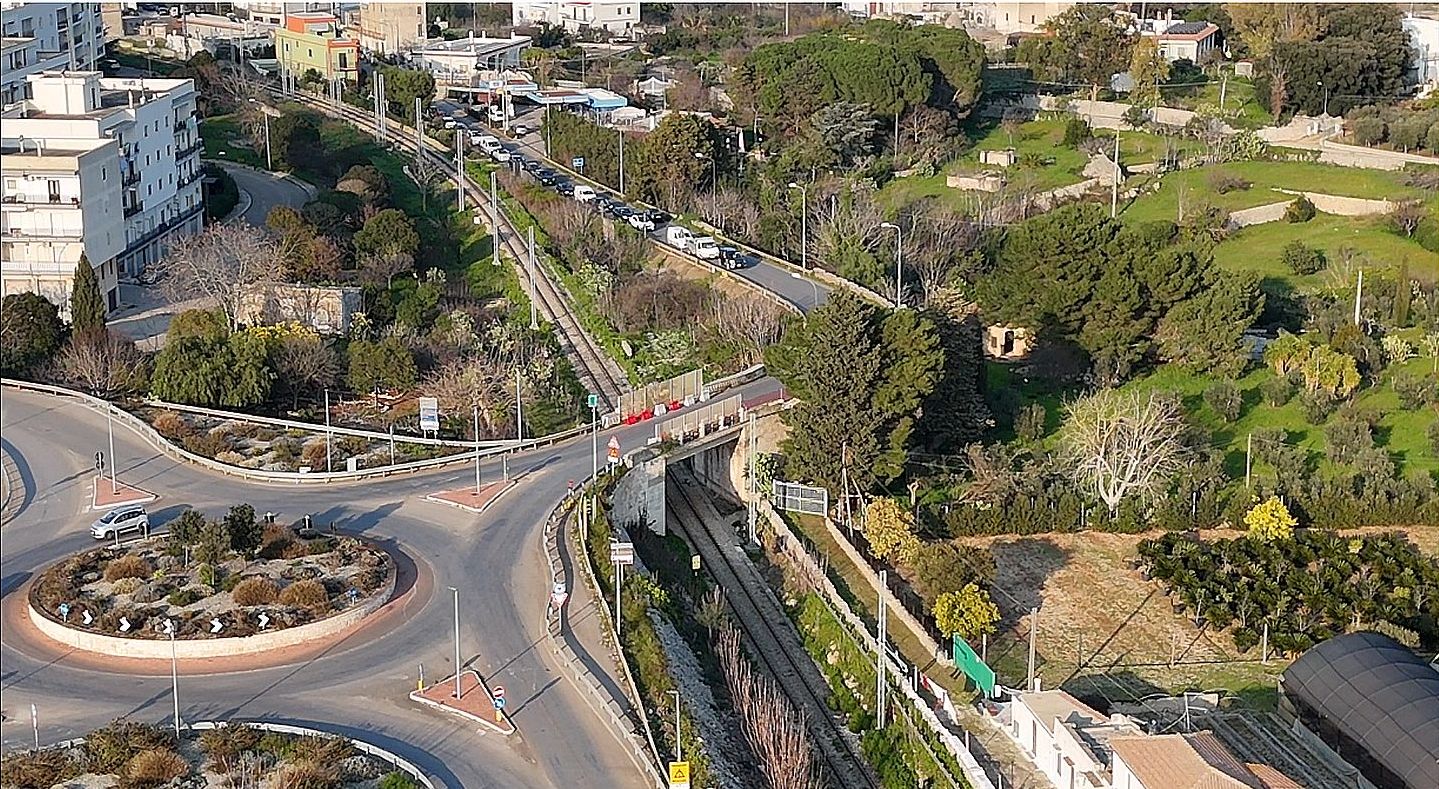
[(463, 61), (274, 13), (389, 28), (108, 167), (1424, 49), (614, 17), (44, 37)]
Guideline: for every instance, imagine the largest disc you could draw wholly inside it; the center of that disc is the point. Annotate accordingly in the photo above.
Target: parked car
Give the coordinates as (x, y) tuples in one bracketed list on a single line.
[(622, 211), (451, 123), (659, 217), (547, 176), (121, 520), (730, 258), (500, 155), (584, 193), (521, 129), (704, 248), (640, 220), (531, 165), (565, 188)]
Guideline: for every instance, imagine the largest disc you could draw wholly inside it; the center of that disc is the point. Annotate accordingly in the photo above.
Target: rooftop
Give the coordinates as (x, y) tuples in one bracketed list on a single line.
[(1191, 31), (1050, 704), (1184, 761), (472, 46)]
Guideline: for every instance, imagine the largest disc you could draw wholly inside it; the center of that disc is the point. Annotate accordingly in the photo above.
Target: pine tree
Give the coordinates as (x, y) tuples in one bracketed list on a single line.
[(87, 306)]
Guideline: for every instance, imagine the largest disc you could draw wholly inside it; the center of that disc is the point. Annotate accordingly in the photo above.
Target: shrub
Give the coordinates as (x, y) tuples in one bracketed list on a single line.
[(42, 769), (207, 444), (109, 748), (315, 455), (945, 566), (1301, 210), (127, 566), (1225, 399), (1317, 407), (154, 767), (230, 582), (172, 426), (255, 591), (324, 750), (207, 575), (1029, 422), (1076, 131), (1277, 391), (1270, 520), (126, 585), (309, 774), (397, 780), (183, 597), (1224, 183), (305, 594), (224, 744), (1433, 433), (1301, 258)]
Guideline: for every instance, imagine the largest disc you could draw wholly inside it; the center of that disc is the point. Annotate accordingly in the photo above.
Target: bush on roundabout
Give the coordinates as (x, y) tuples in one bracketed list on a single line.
[(232, 569)]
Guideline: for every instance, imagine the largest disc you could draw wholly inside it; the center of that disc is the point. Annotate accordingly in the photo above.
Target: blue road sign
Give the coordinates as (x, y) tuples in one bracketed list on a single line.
[(577, 163)]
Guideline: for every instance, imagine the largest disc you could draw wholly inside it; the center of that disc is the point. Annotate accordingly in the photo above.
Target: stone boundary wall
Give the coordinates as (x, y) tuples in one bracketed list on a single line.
[(1337, 205), (189, 649)]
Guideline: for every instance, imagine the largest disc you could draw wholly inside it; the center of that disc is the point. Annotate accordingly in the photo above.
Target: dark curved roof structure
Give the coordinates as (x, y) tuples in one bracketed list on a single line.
[(1379, 694)]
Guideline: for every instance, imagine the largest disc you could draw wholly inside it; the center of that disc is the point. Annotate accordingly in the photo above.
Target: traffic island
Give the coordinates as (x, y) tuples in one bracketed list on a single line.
[(107, 495), (468, 499), (476, 702)]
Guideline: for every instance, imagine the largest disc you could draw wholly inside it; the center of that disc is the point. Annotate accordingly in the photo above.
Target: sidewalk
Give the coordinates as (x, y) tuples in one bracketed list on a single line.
[(105, 497)]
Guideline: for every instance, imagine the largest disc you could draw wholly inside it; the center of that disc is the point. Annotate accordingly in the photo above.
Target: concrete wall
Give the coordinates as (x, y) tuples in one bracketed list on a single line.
[(185, 649), (1329, 204)]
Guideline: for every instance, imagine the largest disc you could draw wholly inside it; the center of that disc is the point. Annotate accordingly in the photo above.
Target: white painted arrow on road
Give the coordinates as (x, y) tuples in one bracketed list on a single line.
[(264, 621), (124, 625), (215, 625), (88, 618)]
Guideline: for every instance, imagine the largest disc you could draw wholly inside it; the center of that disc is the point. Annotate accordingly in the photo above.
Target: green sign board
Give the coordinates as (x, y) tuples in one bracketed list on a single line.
[(968, 662)]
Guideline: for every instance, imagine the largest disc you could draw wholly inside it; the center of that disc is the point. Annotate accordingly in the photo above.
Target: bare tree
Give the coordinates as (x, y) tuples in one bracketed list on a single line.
[(103, 364), (220, 264), (751, 318), (1406, 216), (934, 242), (385, 266), (840, 225), (775, 730), (730, 209), (304, 364), (1124, 444), (480, 381)]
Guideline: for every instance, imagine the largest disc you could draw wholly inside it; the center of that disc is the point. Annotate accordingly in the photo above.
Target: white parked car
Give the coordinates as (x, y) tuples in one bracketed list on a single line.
[(641, 221), (584, 193), (122, 520), (500, 155)]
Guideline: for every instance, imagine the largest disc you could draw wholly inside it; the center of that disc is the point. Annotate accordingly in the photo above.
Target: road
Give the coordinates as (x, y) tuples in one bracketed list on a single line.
[(778, 278), (265, 191), (494, 558)]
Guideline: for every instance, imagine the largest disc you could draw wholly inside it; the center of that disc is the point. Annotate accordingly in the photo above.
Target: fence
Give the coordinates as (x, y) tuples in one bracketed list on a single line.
[(159, 442), (376, 751), (685, 388), (699, 422), (794, 497)]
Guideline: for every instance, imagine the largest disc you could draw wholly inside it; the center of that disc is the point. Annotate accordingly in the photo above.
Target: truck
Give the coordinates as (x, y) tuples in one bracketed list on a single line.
[(704, 248), (678, 237)]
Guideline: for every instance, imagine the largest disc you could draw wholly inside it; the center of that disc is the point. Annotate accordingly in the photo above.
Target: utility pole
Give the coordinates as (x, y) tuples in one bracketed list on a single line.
[(1358, 297), (676, 694), (459, 170), (110, 427), (1248, 459), (534, 291), (622, 160), (594, 439), (1033, 634), (495, 209), (329, 436), (519, 412), (419, 128), (477, 450), (1114, 191), (753, 480), (879, 654)]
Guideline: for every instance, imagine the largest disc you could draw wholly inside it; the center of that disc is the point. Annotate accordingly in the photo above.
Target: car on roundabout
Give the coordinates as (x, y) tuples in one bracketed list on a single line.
[(121, 520)]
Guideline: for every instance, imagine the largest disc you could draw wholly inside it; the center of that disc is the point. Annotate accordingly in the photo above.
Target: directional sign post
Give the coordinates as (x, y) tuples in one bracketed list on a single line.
[(429, 414), (577, 163), (558, 596), (216, 625), (498, 697), (264, 621), (87, 618), (124, 625), (622, 554)]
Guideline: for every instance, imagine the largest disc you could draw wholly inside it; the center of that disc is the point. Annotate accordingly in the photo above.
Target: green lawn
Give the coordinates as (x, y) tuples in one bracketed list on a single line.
[(222, 138), (1139, 147), (1259, 247), (1238, 96)]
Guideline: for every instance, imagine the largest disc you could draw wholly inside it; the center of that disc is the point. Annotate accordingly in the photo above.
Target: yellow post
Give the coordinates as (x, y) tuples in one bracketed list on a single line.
[(499, 716)]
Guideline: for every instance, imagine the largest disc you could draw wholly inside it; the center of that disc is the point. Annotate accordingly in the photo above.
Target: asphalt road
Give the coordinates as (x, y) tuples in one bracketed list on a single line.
[(265, 191), (802, 291), (493, 558)]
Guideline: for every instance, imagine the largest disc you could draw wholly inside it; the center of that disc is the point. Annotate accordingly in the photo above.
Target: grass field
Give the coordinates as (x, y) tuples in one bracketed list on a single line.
[(222, 138), (1239, 96), (1259, 248)]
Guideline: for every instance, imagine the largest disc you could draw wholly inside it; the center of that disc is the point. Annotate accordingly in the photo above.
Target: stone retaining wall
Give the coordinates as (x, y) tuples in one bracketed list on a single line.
[(160, 649), (1330, 204)]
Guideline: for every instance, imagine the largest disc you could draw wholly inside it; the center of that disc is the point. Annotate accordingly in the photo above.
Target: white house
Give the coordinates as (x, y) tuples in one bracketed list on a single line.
[(460, 62), (617, 17), (1424, 44), (1066, 739), (108, 167), (1181, 40)]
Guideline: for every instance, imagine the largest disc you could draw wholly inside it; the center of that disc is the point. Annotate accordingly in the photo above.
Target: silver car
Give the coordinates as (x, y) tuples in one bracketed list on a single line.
[(121, 520)]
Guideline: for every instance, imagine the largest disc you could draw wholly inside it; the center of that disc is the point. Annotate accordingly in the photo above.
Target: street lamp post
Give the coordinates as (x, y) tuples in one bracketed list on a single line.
[(457, 640), (622, 160), (110, 427), (175, 679), (329, 462), (1321, 84), (803, 224), (594, 441), (898, 263), (477, 451)]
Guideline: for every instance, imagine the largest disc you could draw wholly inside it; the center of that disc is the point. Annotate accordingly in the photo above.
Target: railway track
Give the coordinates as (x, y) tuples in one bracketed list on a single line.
[(774, 644), (593, 366)]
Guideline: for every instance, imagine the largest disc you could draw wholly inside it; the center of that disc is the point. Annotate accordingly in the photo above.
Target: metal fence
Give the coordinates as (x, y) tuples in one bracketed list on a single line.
[(805, 499), (695, 423)]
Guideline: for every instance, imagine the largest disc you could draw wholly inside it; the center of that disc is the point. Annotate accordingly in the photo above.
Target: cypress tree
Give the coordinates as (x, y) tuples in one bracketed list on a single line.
[(87, 306)]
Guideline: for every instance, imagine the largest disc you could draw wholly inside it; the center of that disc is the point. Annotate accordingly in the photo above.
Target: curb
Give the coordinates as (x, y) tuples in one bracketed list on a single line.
[(510, 485), (146, 498), (506, 730)]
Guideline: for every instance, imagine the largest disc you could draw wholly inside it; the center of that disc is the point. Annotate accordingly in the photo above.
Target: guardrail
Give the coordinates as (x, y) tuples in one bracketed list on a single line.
[(159, 442), (399, 763)]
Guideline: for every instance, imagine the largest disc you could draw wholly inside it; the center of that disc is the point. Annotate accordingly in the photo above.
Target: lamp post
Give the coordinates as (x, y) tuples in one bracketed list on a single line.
[(898, 263), (813, 284), (174, 676), (1321, 84), (457, 640), (110, 428), (477, 451), (803, 224), (269, 161), (622, 160), (714, 171), (329, 461), (676, 694)]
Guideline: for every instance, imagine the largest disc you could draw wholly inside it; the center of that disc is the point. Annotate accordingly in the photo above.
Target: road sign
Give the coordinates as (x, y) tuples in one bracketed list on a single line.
[(169, 628), (499, 694), (65, 611), (594, 401), (613, 454), (968, 662), (695, 562), (124, 625), (88, 618), (679, 775), (622, 552), (577, 163), (430, 414), (264, 621)]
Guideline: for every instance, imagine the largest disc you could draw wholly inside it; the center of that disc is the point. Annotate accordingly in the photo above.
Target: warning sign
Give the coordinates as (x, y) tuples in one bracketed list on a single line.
[(679, 775), (614, 451)]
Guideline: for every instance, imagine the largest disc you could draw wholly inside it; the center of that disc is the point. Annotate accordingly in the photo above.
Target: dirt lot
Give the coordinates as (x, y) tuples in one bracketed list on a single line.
[(1103, 630)]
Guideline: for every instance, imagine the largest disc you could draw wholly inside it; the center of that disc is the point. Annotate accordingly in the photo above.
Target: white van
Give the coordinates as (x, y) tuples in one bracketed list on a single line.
[(497, 115), (704, 248), (487, 143), (500, 155), (678, 237), (583, 193)]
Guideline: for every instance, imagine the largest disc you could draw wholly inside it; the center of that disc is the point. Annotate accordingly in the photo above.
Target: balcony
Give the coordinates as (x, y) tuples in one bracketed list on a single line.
[(132, 209), (188, 151), (53, 201), (192, 177), (131, 178), (9, 231)]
